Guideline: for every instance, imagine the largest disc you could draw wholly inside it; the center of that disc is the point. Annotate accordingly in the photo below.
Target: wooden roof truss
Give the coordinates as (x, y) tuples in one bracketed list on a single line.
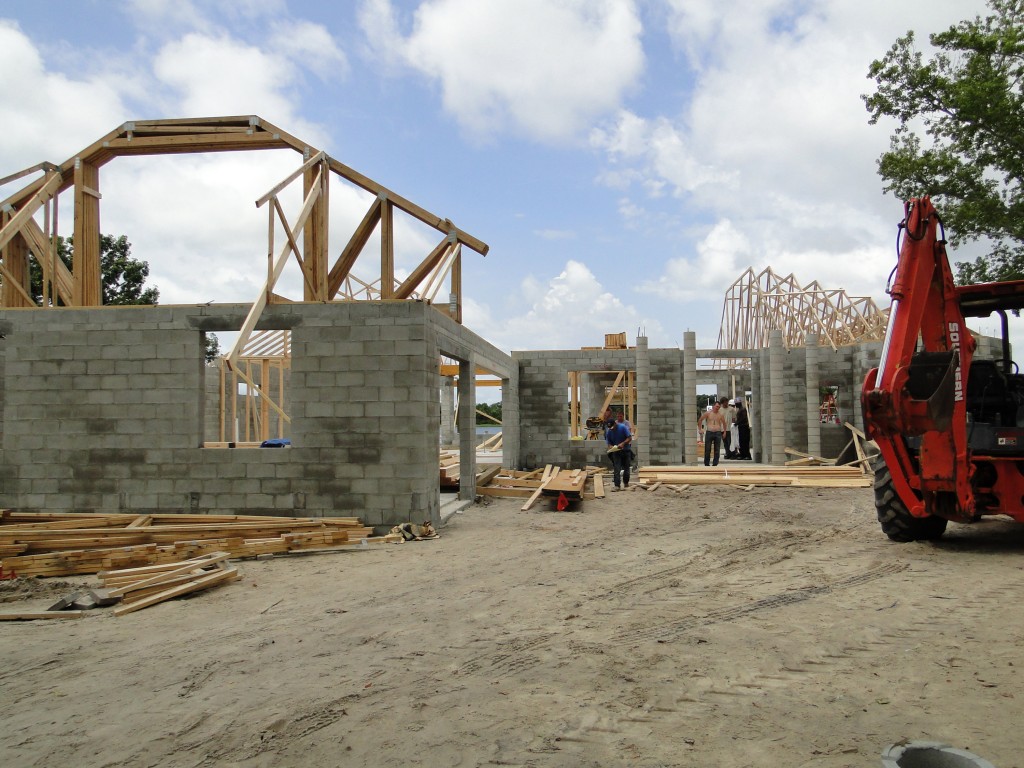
[(23, 239), (759, 303)]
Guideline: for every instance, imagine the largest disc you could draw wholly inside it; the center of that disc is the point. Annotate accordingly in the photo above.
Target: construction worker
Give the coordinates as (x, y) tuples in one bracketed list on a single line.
[(619, 439), (713, 422)]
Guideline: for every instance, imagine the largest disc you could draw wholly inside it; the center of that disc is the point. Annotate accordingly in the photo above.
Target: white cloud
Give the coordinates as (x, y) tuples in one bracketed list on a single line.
[(555, 234), (723, 255), (773, 146), (311, 44), (539, 68), (48, 115), (574, 293), (222, 76)]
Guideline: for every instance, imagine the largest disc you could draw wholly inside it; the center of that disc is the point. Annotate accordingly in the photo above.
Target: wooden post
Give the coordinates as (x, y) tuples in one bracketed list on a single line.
[(223, 399), (314, 242), (14, 257), (86, 266), (264, 433), (387, 250)]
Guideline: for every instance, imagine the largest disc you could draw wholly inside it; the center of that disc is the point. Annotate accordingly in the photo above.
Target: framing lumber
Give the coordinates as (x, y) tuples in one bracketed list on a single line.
[(230, 134)]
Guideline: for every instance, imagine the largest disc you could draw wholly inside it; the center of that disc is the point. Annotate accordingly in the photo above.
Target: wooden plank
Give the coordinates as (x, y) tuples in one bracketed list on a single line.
[(33, 615), (599, 486), (533, 498), (506, 493), (204, 582), (186, 567)]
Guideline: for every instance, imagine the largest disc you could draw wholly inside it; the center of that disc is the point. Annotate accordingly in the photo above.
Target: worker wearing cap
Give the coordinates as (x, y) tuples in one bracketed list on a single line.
[(729, 412), (619, 439)]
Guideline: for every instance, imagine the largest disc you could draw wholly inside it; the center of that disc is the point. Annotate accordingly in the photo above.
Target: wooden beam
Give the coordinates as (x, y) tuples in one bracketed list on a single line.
[(435, 257), (442, 225), (14, 291), (86, 264), (260, 304), (387, 250), (355, 246), (47, 189), (314, 239)]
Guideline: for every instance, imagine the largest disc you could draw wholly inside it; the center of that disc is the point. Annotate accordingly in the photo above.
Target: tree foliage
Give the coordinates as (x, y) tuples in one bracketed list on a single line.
[(123, 277), (491, 409), (960, 137), (211, 348)]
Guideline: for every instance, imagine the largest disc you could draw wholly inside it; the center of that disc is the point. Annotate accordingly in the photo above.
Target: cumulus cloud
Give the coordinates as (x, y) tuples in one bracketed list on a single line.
[(722, 255), (772, 145), (49, 115), (531, 67), (574, 293)]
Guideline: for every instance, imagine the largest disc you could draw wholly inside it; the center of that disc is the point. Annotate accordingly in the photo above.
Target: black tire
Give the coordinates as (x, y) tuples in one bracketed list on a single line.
[(894, 517)]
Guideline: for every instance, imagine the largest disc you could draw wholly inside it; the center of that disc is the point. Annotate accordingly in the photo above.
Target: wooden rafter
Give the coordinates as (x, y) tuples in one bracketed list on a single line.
[(228, 134)]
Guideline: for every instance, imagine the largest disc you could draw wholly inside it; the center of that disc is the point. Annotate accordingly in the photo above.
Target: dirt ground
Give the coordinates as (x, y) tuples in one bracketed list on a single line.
[(718, 627)]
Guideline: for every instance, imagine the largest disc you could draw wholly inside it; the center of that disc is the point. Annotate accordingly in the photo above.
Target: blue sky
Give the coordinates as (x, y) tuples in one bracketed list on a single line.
[(626, 160)]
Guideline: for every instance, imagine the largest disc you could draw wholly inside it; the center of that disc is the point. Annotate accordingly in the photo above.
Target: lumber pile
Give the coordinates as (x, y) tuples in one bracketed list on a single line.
[(140, 588), (449, 463), (743, 475), (586, 483), (45, 544)]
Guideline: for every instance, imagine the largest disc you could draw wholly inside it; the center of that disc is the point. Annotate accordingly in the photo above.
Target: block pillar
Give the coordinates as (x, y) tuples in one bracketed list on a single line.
[(776, 415), (689, 398), (447, 411), (813, 398), (467, 430), (643, 387)]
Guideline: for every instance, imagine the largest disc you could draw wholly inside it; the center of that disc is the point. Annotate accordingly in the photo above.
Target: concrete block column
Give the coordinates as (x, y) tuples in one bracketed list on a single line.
[(757, 393), (447, 411), (813, 398), (643, 399), (777, 399), (510, 418), (689, 396), (467, 429)]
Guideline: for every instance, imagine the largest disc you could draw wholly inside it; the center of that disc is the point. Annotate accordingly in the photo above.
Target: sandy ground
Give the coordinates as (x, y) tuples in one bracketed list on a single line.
[(719, 627)]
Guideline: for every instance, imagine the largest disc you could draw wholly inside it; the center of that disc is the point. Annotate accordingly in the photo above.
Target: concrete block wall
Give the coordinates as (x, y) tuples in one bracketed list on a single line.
[(109, 408), (544, 404), (668, 426)]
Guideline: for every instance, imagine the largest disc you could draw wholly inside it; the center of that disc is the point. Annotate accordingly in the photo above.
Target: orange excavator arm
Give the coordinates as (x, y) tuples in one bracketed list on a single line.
[(919, 387)]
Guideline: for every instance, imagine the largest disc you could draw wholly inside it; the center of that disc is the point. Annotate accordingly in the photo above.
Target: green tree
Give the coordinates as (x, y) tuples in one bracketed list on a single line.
[(491, 409), (123, 276), (212, 347), (967, 102)]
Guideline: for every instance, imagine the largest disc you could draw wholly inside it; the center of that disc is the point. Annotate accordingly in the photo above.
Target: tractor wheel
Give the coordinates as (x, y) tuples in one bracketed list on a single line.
[(896, 521)]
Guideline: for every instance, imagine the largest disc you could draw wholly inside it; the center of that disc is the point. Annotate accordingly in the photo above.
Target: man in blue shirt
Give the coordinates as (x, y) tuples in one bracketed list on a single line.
[(618, 439)]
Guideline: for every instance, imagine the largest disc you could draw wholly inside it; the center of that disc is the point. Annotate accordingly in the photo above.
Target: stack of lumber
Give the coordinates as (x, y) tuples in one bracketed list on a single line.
[(449, 469), (140, 588), (587, 483), (761, 475), (42, 544)]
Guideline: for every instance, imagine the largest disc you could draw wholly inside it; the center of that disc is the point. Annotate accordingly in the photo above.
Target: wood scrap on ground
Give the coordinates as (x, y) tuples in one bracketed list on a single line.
[(825, 476)]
